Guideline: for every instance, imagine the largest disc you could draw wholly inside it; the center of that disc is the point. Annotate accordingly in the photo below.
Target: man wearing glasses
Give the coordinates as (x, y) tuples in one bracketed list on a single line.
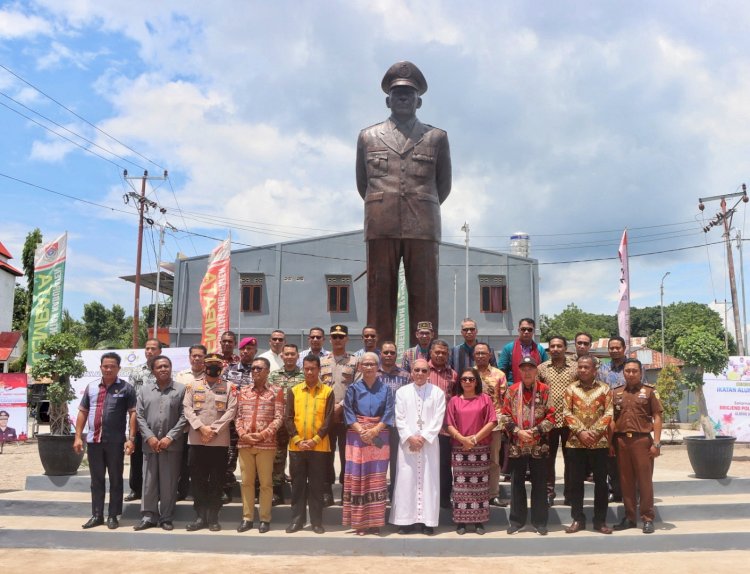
[(421, 350), (583, 342), (276, 341), (523, 346), (395, 377), (462, 356), (316, 338), (337, 371)]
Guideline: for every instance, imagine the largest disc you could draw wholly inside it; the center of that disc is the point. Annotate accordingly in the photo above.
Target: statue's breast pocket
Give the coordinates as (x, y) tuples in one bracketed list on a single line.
[(422, 161), (377, 164)]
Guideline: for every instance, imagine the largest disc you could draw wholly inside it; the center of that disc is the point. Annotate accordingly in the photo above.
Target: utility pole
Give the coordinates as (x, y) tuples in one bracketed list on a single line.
[(725, 217), (142, 206), (742, 280), (465, 229), (661, 306)]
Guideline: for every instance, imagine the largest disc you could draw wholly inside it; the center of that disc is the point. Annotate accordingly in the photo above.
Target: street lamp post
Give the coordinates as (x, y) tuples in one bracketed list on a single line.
[(661, 305)]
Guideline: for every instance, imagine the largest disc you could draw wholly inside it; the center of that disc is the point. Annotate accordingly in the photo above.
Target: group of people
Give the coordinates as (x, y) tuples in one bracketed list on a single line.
[(436, 429)]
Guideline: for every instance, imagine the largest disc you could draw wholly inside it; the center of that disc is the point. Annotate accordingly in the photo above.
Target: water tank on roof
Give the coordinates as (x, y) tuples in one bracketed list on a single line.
[(520, 244)]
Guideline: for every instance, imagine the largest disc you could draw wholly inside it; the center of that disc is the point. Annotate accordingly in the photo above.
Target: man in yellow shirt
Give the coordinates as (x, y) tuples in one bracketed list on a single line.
[(309, 409)]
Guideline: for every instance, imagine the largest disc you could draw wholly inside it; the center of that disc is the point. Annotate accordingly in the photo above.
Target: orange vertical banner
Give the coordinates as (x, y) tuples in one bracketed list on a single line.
[(214, 296)]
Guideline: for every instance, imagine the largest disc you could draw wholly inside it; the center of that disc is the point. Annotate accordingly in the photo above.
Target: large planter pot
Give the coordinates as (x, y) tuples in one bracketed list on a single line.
[(57, 454), (710, 458)]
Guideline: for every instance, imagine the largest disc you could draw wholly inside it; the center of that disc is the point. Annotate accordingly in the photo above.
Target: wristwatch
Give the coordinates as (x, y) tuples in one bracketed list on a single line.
[(657, 444)]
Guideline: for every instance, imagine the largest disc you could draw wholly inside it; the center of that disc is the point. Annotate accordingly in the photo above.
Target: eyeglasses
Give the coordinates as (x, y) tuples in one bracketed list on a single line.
[(277, 338), (387, 352), (315, 337), (583, 343), (369, 365), (468, 379), (468, 329), (338, 336), (421, 370), (256, 368), (526, 329), (370, 336)]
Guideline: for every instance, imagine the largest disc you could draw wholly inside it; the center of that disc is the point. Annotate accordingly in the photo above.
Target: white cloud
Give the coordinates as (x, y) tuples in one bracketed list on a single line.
[(14, 24)]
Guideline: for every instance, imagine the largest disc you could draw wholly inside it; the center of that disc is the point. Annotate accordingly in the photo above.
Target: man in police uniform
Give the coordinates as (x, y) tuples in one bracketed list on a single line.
[(637, 412), (404, 175), (209, 407), (337, 371)]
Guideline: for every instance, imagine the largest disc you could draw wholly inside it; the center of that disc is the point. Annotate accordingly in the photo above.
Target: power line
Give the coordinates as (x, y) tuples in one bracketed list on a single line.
[(63, 106)]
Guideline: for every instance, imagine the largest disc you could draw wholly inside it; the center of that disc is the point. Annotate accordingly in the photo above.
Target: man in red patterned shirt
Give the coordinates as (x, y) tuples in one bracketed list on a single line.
[(588, 412), (527, 418), (260, 413)]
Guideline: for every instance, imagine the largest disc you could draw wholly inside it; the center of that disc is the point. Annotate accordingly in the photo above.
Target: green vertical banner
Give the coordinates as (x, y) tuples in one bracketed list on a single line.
[(402, 312), (46, 308)]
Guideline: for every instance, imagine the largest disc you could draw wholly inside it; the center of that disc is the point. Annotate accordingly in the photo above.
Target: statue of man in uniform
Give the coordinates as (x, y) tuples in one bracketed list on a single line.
[(404, 175)]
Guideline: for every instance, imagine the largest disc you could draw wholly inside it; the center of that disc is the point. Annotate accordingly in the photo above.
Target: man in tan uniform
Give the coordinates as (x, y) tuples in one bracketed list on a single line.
[(637, 412)]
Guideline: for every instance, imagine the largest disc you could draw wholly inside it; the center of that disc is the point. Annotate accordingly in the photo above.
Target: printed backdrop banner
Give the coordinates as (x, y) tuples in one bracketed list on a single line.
[(13, 400), (131, 358), (214, 297), (728, 399), (46, 307)]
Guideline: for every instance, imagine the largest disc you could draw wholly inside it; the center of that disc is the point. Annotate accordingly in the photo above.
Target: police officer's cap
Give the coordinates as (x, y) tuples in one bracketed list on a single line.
[(339, 330), (213, 358), (404, 74)]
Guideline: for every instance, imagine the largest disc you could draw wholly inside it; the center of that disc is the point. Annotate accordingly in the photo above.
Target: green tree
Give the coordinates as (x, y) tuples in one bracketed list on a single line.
[(644, 322), (703, 351), (573, 320), (60, 363), (21, 314), (106, 328), (680, 318), (669, 386)]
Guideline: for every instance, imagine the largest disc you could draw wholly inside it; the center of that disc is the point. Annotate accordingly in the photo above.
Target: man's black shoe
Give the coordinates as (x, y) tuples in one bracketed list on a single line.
[(198, 524), (277, 499), (244, 526), (264, 527), (541, 530), (327, 500), (144, 525), (497, 501), (405, 529), (318, 529), (93, 521), (132, 495), (113, 523), (625, 525), (214, 527), (428, 530), (293, 527), (226, 498), (513, 528), (648, 527), (167, 525)]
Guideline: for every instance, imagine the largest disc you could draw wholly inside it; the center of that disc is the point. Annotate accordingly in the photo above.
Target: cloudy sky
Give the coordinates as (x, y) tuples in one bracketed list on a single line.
[(568, 120)]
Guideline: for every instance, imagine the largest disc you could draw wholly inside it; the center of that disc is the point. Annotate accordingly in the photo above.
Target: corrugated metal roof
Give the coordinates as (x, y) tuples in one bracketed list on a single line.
[(8, 342)]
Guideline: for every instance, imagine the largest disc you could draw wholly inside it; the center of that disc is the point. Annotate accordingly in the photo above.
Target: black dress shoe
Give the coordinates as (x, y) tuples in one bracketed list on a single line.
[(214, 527), (542, 530), (132, 495), (318, 529), (113, 523), (167, 525), (497, 501), (264, 527), (144, 525), (461, 528), (93, 521), (428, 530), (327, 500), (405, 530), (198, 524), (226, 498), (293, 527), (625, 525), (244, 526), (277, 499), (513, 528), (648, 527)]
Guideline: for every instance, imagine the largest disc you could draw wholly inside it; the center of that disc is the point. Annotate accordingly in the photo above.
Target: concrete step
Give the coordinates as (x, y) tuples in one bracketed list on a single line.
[(65, 532), (668, 508)]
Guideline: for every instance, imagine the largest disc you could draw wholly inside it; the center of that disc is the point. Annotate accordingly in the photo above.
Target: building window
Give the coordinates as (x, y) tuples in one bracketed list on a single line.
[(338, 293), (493, 295), (252, 292)]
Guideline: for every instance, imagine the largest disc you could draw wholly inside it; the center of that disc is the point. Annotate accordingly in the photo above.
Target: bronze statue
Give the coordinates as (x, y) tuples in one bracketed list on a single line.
[(403, 174)]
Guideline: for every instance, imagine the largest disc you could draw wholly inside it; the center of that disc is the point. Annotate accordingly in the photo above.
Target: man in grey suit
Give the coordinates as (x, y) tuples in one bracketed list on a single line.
[(404, 175)]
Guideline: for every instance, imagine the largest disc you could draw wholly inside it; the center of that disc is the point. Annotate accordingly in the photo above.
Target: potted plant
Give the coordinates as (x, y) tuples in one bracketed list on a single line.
[(59, 363), (710, 455)]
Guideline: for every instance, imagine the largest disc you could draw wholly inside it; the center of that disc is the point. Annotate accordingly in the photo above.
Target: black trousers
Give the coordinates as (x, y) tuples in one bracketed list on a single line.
[(230, 479), (393, 439), (183, 484), (446, 474), (557, 436), (337, 436), (613, 476), (307, 469), (135, 476), (106, 458), (579, 461), (518, 507), (208, 465)]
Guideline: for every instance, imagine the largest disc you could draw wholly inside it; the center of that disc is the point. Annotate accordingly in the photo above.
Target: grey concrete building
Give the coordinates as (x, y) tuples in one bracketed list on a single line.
[(320, 281)]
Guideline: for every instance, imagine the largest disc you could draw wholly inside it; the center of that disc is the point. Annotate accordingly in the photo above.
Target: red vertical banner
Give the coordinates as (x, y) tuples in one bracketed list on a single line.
[(623, 309), (214, 297)]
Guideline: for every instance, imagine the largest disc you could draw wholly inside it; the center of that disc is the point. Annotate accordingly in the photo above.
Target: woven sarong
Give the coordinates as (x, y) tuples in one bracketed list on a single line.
[(365, 486), (471, 484)]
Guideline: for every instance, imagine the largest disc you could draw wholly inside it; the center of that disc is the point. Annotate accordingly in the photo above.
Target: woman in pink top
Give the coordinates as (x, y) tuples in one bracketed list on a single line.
[(470, 417)]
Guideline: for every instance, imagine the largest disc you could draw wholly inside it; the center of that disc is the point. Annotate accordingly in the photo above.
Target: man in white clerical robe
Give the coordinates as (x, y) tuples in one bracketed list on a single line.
[(420, 413)]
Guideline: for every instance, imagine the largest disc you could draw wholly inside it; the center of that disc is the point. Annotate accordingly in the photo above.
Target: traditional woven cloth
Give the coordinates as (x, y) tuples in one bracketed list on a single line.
[(471, 484)]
